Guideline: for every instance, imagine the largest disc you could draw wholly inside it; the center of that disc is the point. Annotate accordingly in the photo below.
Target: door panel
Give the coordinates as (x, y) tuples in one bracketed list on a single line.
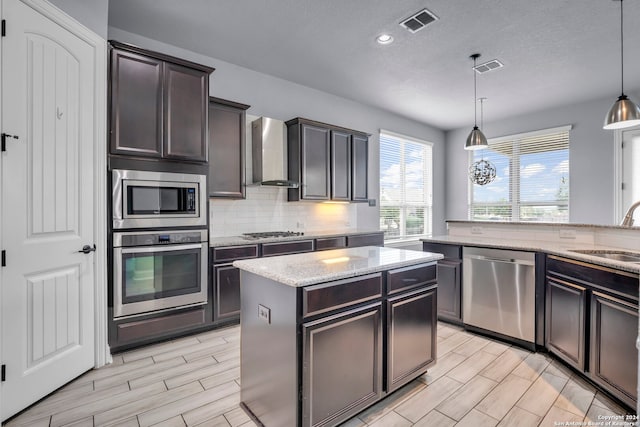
[(340, 166), (315, 163), (186, 110), (565, 321), (47, 206)]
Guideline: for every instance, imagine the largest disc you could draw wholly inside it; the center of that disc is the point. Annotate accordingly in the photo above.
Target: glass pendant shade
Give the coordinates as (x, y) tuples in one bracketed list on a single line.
[(476, 140), (623, 114)]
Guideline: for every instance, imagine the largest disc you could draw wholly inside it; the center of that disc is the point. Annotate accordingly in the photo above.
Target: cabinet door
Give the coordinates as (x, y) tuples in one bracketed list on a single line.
[(136, 105), (614, 356), (226, 151), (314, 157), (186, 103), (226, 292), (411, 336), (342, 365), (340, 166), (565, 321), (449, 290), (360, 168)]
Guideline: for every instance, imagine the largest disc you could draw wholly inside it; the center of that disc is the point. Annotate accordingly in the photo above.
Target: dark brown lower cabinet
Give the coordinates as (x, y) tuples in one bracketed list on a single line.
[(449, 280), (592, 323), (226, 295), (614, 361), (565, 323), (336, 382), (411, 337)]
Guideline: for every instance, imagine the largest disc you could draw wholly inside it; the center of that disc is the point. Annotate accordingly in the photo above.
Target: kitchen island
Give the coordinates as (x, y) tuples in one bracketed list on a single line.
[(327, 334)]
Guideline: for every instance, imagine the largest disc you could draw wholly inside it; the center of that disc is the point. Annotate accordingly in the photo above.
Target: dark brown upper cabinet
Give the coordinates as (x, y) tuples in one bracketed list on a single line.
[(340, 166), (159, 105), (226, 148), (329, 162), (360, 168)]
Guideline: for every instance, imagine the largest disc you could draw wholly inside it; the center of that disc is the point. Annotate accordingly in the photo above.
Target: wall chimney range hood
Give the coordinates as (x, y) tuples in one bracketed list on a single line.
[(269, 153)]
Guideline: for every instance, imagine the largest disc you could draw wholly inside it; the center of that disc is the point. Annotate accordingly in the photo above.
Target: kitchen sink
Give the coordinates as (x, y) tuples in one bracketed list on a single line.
[(611, 254)]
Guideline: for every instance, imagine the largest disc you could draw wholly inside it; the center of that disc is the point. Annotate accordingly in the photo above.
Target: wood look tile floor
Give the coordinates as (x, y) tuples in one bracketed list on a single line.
[(195, 381)]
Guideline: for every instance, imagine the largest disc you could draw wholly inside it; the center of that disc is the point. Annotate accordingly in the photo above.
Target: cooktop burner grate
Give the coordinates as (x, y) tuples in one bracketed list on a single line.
[(270, 234)]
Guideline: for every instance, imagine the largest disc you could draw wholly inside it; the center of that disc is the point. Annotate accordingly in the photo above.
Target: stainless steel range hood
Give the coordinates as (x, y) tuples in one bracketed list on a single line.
[(269, 153)]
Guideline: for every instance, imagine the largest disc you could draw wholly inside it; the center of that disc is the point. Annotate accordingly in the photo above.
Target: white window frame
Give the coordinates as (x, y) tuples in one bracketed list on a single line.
[(428, 186), (514, 174)]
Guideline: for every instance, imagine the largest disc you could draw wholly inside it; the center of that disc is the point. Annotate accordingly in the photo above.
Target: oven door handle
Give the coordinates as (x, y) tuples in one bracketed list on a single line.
[(160, 248)]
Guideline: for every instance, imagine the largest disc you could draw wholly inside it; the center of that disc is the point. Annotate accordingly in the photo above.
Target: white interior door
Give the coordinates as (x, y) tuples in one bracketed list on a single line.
[(47, 206)]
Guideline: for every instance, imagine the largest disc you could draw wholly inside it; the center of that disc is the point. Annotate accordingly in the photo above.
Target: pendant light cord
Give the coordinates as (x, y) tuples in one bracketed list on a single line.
[(475, 94), (621, 50)]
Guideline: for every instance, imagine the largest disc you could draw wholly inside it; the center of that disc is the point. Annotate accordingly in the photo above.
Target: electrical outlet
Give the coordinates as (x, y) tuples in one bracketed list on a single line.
[(567, 234), (264, 313), (372, 202), (476, 229)]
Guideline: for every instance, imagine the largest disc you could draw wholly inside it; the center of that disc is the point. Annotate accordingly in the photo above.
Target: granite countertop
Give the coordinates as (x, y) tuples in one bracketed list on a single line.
[(309, 268), (563, 249), (216, 242), (541, 224)]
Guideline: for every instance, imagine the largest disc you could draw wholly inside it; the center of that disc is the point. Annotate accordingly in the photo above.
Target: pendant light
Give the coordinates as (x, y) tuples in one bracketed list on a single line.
[(482, 172), (476, 139), (624, 113)]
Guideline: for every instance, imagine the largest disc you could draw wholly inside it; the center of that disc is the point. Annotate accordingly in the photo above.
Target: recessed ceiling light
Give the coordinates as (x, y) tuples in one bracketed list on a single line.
[(384, 39)]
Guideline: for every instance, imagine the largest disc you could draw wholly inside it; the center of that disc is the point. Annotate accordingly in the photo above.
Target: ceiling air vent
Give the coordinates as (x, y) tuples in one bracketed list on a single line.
[(419, 20), (494, 64)]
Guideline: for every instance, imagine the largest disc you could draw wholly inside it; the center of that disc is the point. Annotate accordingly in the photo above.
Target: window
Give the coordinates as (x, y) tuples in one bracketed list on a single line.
[(405, 186), (532, 178)]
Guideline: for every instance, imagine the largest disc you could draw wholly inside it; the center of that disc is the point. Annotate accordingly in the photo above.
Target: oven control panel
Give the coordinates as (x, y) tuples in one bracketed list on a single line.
[(154, 238)]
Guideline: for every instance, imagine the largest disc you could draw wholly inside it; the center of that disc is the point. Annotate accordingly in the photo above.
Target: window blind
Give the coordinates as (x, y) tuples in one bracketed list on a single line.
[(532, 178), (405, 186)]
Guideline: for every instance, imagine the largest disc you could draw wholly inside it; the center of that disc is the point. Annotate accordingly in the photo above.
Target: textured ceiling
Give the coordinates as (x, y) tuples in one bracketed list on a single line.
[(555, 52)]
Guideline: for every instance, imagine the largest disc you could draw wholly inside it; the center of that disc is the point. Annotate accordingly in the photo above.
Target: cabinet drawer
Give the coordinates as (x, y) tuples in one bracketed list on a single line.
[(233, 253), (331, 243), (159, 326), (375, 239), (449, 251), (330, 296), (403, 279), (283, 248)]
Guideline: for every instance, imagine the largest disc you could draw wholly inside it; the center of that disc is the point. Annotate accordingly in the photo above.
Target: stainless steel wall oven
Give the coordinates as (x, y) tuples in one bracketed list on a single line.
[(155, 270), (145, 199)]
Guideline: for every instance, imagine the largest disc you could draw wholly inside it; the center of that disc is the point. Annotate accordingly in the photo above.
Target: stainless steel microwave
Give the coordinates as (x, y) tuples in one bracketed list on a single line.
[(145, 199)]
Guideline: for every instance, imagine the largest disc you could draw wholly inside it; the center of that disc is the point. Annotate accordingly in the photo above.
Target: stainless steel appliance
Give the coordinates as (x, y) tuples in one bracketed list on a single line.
[(156, 270), (498, 291), (145, 199)]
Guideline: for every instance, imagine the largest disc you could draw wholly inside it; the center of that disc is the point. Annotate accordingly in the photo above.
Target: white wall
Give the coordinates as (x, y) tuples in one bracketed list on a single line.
[(280, 99), (591, 157), (93, 14)]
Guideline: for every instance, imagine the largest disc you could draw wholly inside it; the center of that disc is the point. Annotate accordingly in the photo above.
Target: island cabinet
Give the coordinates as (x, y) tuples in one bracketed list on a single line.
[(226, 148), (449, 280), (337, 346), (329, 162), (159, 105), (592, 323)]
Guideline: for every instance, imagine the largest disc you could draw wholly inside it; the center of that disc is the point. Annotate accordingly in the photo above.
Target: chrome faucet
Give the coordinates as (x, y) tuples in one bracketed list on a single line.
[(628, 218)]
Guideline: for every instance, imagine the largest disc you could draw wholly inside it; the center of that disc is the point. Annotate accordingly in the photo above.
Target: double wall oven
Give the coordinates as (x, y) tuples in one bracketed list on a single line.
[(160, 244)]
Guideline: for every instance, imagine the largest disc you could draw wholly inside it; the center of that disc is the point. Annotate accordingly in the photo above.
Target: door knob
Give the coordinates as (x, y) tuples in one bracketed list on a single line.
[(87, 249)]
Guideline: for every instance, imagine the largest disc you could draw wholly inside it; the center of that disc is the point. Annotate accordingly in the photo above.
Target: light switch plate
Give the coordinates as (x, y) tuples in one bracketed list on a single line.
[(264, 313)]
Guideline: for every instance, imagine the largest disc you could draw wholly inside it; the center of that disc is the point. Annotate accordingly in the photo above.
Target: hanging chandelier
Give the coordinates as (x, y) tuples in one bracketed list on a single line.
[(482, 172), (624, 113), (476, 139)]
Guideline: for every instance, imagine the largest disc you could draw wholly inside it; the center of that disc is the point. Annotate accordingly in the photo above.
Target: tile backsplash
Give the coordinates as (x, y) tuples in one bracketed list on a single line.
[(267, 209)]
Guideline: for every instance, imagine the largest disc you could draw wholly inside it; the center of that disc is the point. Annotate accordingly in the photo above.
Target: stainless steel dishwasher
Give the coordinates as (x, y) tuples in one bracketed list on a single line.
[(498, 291)]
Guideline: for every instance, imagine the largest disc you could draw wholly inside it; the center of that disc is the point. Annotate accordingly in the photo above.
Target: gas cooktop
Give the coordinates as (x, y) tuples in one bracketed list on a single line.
[(271, 234)]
